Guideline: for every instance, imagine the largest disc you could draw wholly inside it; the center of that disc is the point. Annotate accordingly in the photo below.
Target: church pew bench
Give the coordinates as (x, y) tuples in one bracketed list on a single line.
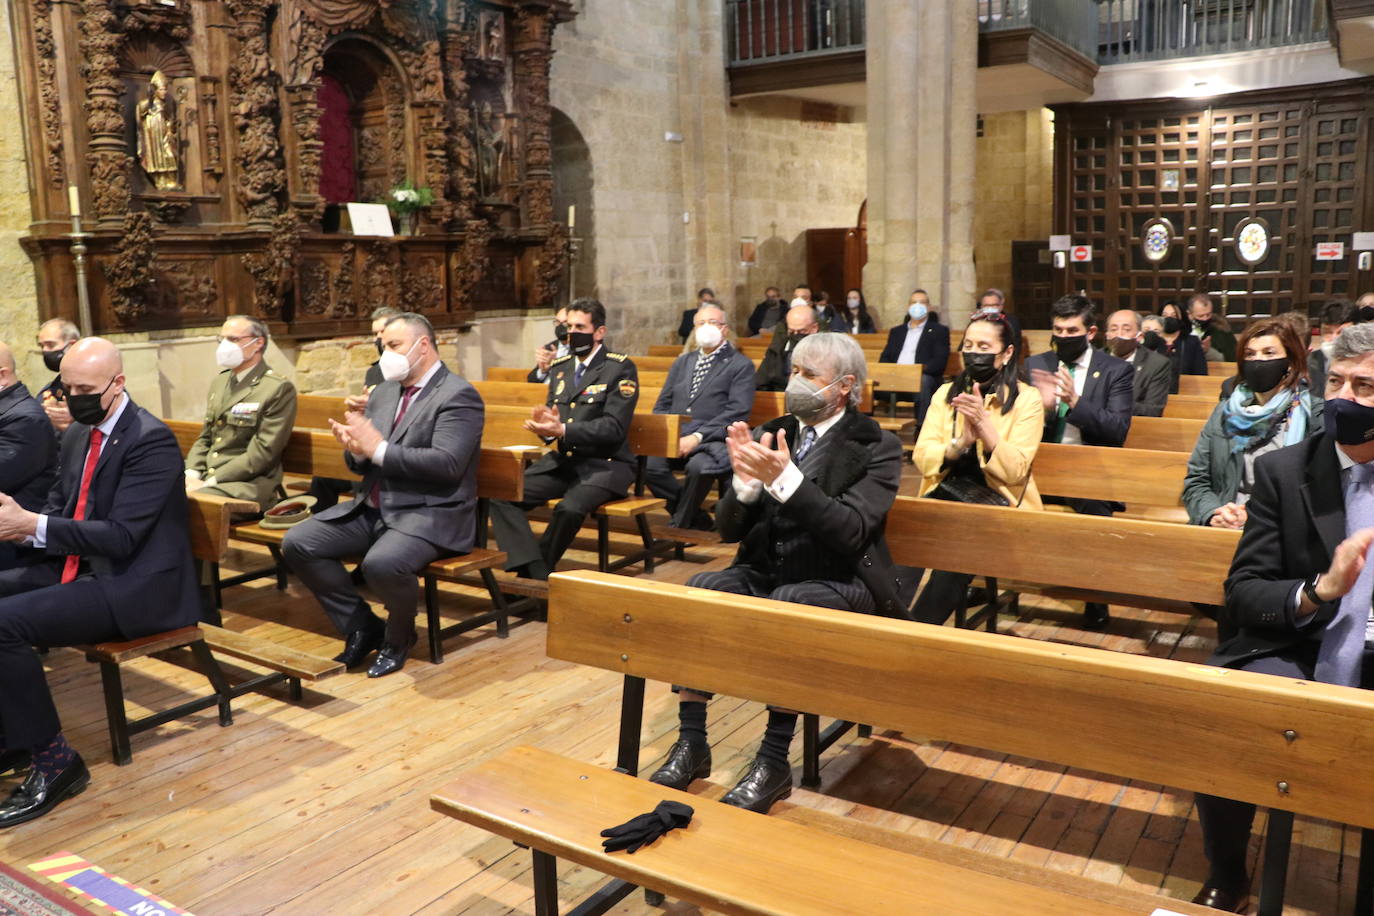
[(208, 522), (1190, 406), (1137, 477), (1208, 386), (316, 453), (1303, 744), (967, 688), (1164, 434), (1224, 370)]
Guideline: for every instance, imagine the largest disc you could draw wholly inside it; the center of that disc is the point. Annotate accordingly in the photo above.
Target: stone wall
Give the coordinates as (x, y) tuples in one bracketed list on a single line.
[(1015, 189), (18, 294)]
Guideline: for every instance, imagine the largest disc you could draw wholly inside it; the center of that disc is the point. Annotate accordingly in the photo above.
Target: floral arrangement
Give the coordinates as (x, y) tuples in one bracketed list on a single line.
[(405, 198)]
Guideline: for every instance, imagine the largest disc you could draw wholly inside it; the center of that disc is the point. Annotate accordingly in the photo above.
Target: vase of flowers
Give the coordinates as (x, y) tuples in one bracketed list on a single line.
[(405, 201)]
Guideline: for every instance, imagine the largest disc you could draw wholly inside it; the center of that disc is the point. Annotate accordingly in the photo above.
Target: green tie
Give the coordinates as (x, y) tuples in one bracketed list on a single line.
[(1063, 412)]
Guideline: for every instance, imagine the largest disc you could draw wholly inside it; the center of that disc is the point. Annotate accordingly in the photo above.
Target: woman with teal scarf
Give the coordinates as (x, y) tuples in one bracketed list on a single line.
[(1270, 407)]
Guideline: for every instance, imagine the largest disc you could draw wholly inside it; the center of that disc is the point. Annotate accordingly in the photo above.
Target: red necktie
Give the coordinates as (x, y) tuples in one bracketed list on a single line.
[(92, 457), (374, 496)]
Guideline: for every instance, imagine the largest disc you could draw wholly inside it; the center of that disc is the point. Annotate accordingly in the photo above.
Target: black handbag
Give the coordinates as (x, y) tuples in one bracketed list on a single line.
[(963, 490)]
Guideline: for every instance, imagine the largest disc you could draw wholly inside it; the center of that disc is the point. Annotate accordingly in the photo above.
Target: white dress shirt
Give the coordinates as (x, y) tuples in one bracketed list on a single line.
[(791, 477), (379, 455), (913, 339), (40, 533), (1072, 435)]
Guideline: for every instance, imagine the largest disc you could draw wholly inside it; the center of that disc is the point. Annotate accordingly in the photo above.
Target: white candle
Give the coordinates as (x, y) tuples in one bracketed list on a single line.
[(572, 216), (74, 199)]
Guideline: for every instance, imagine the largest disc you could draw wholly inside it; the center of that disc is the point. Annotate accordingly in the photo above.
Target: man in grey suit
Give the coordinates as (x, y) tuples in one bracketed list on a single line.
[(1153, 374), (416, 447), (712, 386)]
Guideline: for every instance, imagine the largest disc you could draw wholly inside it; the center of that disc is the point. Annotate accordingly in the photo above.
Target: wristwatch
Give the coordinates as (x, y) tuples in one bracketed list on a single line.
[(1309, 588)]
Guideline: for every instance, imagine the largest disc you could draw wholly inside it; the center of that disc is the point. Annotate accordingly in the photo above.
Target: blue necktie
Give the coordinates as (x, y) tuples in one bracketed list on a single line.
[(1342, 651), (577, 376), (808, 439)]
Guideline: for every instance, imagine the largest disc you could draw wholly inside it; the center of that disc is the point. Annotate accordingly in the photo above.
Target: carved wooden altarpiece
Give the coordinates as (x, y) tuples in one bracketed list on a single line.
[(278, 111)]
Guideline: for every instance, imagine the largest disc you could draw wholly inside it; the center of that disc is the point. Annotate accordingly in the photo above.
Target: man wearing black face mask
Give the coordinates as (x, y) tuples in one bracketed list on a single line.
[(592, 397), (1153, 375), (556, 349), (1299, 590), (1208, 329), (111, 559), (55, 337), (1088, 397), (1165, 336), (776, 367)]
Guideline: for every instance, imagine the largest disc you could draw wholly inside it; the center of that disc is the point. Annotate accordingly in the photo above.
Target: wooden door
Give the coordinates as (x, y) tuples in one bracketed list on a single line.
[(1335, 195), (825, 262)]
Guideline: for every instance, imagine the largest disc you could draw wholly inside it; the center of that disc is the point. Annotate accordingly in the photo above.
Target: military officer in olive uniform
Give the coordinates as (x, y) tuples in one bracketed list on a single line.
[(247, 422), (592, 397)]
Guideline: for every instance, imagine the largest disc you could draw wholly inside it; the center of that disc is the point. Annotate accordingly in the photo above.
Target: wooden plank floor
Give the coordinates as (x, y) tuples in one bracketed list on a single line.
[(322, 807)]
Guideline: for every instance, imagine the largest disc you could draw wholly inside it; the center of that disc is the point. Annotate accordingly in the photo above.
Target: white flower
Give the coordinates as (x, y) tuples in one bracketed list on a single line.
[(398, 195)]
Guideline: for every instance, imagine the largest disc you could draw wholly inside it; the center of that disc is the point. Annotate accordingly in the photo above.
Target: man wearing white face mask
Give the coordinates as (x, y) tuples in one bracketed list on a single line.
[(920, 339), (711, 387), (247, 420)]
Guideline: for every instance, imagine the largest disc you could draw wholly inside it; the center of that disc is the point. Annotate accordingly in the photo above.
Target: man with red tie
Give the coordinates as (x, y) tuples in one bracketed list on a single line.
[(109, 558)]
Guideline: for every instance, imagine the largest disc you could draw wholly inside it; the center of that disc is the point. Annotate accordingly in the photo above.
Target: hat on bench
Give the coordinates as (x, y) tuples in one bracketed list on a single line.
[(288, 512)]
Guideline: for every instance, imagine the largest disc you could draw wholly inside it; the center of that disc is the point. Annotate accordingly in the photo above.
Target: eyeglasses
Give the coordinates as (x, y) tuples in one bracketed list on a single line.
[(238, 340)]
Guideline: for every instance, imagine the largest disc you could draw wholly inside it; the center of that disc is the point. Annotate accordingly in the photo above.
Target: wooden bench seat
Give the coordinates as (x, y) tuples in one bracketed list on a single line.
[(732, 861), (1164, 434)]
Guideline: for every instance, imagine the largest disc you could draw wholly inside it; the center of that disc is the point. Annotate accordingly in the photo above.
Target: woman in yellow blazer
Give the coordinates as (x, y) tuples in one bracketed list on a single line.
[(985, 426)]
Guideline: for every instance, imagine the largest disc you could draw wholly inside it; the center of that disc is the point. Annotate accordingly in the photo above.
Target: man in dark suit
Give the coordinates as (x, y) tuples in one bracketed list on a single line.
[(807, 506), (1298, 595), (1153, 374), (768, 312), (546, 353), (776, 366), (705, 296), (921, 339), (110, 558), (1088, 398), (55, 337), (712, 387), (592, 397), (415, 446), (28, 448)]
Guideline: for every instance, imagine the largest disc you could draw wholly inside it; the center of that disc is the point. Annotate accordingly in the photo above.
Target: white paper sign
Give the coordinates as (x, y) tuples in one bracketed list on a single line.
[(1362, 241), (1330, 251), (370, 219), (1060, 243)]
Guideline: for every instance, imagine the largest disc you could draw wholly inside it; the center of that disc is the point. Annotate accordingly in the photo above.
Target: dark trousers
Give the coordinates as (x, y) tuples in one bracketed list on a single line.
[(36, 610), (746, 580), (942, 594), (1226, 823), (703, 466), (576, 500), (391, 561)]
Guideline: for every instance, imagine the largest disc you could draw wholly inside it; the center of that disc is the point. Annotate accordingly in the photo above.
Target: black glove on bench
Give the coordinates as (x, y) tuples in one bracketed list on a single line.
[(645, 828)]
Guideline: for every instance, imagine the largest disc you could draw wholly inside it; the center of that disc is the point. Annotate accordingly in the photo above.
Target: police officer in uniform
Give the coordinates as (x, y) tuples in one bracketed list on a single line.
[(592, 397), (247, 421)]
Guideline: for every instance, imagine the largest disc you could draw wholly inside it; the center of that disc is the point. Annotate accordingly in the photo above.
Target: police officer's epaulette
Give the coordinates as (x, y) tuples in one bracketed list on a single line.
[(618, 357), (561, 359)]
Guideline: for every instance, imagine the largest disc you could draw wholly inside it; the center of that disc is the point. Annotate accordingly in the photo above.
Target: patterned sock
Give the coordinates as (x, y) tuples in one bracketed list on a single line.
[(52, 757), (777, 737), (691, 716)]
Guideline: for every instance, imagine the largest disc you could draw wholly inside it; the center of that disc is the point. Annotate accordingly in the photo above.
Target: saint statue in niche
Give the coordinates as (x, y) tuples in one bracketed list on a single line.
[(491, 148), (157, 136), (494, 36)]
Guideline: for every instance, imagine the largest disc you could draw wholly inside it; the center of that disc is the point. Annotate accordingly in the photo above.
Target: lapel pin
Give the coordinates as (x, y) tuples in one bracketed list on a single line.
[(1096, 374)]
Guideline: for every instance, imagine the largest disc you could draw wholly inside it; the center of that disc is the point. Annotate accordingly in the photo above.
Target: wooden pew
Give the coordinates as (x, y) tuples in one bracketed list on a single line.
[(1189, 407), (1141, 477), (1223, 369), (315, 453), (1164, 434), (208, 521), (1204, 386), (965, 688)]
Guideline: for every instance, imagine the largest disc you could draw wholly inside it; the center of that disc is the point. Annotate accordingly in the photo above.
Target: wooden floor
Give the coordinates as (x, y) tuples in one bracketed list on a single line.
[(322, 808)]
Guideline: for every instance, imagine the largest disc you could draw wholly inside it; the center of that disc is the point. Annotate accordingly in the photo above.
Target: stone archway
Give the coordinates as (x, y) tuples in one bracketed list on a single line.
[(573, 186)]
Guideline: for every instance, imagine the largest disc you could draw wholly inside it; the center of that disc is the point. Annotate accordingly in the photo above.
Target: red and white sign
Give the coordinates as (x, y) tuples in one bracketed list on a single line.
[(1330, 251), (1081, 254)]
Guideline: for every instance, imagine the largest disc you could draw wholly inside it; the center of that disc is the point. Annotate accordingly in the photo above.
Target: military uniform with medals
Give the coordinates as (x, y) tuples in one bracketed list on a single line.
[(590, 465), (247, 425)]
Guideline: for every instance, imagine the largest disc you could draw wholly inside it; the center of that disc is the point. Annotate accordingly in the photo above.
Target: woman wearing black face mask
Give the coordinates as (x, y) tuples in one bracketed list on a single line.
[(1168, 336), (1271, 407), (983, 428)]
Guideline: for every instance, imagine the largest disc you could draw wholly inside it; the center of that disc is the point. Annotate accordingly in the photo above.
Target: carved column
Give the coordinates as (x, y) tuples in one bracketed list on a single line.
[(533, 54), (50, 100), (253, 99), (462, 190), (305, 119), (108, 156)]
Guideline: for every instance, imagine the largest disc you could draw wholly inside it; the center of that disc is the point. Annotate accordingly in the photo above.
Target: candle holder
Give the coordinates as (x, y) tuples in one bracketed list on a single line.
[(574, 246), (83, 299)]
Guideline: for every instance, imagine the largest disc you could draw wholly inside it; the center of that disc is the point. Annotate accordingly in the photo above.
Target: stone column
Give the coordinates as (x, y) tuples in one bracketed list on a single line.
[(922, 67)]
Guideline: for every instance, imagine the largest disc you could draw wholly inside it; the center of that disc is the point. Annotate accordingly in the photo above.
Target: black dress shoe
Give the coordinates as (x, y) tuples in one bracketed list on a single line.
[(686, 761), (1222, 899), (390, 659), (359, 645), (13, 762), (765, 783), (37, 795), (1095, 616)]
